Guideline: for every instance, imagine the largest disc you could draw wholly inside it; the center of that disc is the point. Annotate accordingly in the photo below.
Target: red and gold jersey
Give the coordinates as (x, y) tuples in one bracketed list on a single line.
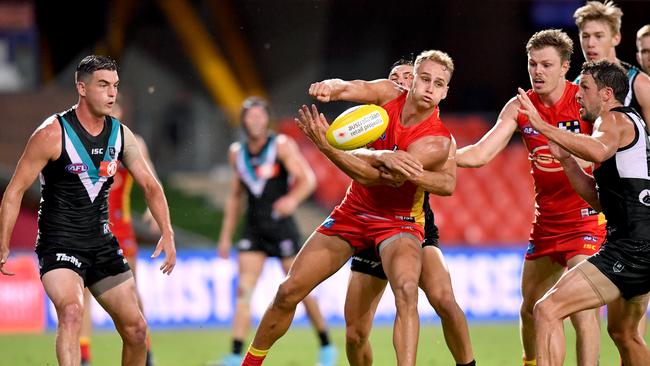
[(556, 202), (119, 205), (405, 201)]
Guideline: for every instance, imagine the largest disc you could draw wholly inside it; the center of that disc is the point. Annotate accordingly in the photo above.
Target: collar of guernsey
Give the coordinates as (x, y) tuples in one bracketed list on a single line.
[(78, 154), (248, 172)]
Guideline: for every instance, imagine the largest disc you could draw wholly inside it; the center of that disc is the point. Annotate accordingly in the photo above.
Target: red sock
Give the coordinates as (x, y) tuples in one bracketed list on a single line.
[(254, 357), (85, 349)]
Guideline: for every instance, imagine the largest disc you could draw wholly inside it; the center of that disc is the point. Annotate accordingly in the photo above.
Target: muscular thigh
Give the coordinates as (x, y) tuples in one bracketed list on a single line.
[(121, 302), (538, 276), (251, 265), (434, 279), (362, 299)]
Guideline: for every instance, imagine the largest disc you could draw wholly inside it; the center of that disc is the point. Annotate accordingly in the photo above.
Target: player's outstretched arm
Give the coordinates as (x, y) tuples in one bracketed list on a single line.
[(600, 146), (314, 126), (377, 92), (43, 145), (304, 178), (495, 140), (583, 183), (155, 197), (233, 204)]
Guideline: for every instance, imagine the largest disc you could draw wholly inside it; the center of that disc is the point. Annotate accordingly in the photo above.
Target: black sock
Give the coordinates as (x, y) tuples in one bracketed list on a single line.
[(237, 346), (473, 363), (324, 338)]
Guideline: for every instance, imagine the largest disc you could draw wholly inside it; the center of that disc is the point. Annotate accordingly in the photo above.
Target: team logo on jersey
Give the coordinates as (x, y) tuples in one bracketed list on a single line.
[(107, 168), (573, 126), (383, 136), (244, 244), (267, 171), (528, 130), (111, 152), (76, 168), (531, 248), (543, 160), (618, 267), (644, 197), (586, 212), (590, 238), (329, 221)]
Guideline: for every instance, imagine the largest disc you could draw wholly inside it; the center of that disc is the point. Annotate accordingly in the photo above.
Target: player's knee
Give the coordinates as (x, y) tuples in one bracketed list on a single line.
[(622, 335), (244, 294), (356, 335), (406, 291), (526, 310), (288, 295), (543, 311), (444, 303), (70, 314), (135, 331)]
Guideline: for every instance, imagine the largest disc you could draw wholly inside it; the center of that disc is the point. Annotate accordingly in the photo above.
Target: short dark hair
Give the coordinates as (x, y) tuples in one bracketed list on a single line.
[(92, 63), (402, 62), (608, 74), (253, 101)]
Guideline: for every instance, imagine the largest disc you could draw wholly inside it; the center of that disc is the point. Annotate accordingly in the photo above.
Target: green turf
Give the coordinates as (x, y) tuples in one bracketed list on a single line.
[(494, 345)]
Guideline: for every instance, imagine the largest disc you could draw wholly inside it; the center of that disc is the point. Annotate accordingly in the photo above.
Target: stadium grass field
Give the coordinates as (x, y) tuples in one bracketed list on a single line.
[(494, 345)]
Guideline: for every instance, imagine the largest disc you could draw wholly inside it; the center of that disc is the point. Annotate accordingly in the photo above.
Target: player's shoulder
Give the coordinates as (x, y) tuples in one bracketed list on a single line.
[(235, 148), (49, 129)]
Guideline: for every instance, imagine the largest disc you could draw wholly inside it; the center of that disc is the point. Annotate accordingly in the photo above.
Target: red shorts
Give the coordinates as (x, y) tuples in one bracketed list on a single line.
[(561, 247), (364, 230), (125, 236)]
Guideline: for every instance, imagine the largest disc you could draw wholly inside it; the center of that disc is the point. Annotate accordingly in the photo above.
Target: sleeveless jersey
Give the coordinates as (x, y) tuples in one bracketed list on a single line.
[(406, 201), (74, 188), (119, 203), (624, 185), (265, 179), (632, 72), (556, 202)]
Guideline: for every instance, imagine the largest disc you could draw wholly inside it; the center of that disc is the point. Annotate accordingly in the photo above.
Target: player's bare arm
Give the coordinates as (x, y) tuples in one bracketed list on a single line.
[(44, 145), (147, 217), (155, 197), (583, 183), (314, 125), (443, 182), (606, 138), (377, 92), (495, 140), (233, 204), (298, 168), (642, 92)]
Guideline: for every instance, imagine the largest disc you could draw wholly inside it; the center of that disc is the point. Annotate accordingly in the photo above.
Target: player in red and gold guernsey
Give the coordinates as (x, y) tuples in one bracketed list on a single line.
[(566, 230), (383, 205), (119, 213)]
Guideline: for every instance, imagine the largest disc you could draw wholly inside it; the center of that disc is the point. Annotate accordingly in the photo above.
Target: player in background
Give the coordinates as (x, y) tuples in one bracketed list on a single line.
[(600, 33), (368, 280), (269, 170), (619, 274), (643, 48), (566, 229), (376, 211), (119, 210)]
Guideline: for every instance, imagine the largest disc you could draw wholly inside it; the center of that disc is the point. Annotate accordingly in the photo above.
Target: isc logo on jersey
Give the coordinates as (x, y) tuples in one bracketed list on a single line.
[(357, 127)]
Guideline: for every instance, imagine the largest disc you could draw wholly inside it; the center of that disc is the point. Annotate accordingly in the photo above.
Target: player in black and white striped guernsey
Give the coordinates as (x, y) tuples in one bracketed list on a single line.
[(619, 274)]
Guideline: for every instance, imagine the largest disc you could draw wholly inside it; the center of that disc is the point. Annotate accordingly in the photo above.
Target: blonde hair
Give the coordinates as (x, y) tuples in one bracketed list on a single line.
[(552, 38), (436, 56), (643, 32), (607, 12)]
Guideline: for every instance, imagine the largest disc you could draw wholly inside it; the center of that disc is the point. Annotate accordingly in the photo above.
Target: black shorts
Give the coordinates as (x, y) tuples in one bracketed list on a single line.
[(627, 264), (279, 240), (367, 261), (91, 264)]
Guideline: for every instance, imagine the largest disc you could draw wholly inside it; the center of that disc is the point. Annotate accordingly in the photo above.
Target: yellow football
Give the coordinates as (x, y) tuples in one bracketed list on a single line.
[(357, 127)]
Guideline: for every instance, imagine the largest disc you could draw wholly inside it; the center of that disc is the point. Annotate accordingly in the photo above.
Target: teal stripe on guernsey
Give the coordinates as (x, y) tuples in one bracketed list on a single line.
[(247, 156), (93, 172), (111, 139)]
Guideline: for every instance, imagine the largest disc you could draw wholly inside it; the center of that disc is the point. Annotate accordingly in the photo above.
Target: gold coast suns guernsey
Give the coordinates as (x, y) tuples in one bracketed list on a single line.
[(119, 203), (404, 202), (558, 208)]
